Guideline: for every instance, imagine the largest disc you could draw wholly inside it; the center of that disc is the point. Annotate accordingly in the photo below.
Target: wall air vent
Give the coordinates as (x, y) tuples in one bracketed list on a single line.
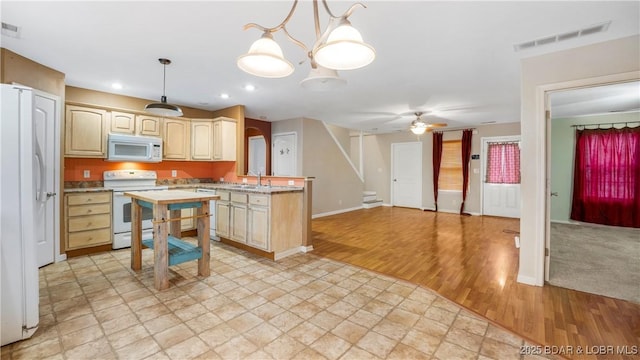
[(10, 30), (593, 29)]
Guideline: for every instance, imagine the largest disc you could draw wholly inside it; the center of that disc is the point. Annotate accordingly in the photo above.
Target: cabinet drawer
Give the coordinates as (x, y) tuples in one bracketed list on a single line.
[(80, 210), (262, 200), (90, 222), (224, 195), (92, 198), (239, 197), (89, 238)]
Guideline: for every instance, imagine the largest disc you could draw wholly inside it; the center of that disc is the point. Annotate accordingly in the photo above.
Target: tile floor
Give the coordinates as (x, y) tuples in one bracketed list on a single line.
[(302, 307)]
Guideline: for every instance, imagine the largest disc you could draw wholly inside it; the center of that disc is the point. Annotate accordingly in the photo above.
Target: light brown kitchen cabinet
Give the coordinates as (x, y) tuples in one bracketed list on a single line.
[(224, 139), (148, 125), (176, 136), (238, 217), (201, 140), (222, 213), (122, 123), (88, 219), (85, 133), (258, 214)]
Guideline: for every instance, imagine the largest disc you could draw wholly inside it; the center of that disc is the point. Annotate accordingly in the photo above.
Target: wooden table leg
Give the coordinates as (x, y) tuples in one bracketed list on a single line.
[(161, 247), (203, 239), (176, 230), (136, 235)]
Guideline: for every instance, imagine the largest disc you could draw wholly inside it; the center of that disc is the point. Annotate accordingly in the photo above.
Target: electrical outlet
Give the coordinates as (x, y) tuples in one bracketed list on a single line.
[(244, 180), (86, 174), (291, 182), (221, 179), (174, 173)]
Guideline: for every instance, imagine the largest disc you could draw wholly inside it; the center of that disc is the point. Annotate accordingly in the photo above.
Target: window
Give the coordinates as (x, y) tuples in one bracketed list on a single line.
[(503, 163), (451, 166), (607, 177)]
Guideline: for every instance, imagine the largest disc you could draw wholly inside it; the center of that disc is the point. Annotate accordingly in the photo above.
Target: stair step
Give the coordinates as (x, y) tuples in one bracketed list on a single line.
[(371, 204), (369, 198), (368, 193)]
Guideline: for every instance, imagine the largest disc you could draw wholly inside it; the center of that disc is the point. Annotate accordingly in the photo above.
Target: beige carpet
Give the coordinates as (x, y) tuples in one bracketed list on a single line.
[(596, 259)]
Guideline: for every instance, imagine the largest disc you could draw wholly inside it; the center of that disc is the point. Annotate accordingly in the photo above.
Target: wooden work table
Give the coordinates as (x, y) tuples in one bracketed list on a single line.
[(167, 247)]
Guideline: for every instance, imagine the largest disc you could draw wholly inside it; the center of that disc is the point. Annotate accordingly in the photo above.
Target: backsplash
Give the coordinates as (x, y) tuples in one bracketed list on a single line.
[(74, 169)]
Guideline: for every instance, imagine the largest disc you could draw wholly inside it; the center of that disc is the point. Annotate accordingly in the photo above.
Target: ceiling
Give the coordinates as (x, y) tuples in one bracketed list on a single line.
[(453, 60)]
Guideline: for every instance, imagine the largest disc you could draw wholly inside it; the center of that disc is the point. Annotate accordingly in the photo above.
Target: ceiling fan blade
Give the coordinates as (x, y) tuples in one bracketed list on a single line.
[(436, 125)]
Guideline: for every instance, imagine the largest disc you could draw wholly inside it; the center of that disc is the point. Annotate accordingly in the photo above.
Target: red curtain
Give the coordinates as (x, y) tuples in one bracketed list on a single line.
[(437, 159), (606, 180), (503, 163), (466, 156)]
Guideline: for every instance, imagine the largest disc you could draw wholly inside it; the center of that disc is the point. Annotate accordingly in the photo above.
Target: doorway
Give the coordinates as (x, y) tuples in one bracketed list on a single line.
[(46, 127), (406, 172), (257, 163), (588, 257), (500, 169), (284, 154)]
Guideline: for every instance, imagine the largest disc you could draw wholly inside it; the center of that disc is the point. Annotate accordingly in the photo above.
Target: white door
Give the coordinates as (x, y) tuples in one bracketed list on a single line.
[(406, 170), (257, 155), (46, 127), (283, 156), (499, 199)]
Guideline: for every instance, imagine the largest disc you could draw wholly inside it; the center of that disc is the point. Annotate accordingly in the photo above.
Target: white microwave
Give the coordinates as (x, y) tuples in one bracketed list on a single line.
[(134, 148)]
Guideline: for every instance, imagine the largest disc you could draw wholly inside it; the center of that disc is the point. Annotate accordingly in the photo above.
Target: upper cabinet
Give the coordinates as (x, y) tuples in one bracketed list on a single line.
[(123, 123), (224, 139), (85, 132), (148, 125), (201, 140), (176, 138)]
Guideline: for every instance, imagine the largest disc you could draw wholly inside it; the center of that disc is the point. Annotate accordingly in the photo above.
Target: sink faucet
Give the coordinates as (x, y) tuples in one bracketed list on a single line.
[(259, 179)]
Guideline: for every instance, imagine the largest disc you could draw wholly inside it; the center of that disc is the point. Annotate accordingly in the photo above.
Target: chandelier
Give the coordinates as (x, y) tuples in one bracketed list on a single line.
[(338, 47)]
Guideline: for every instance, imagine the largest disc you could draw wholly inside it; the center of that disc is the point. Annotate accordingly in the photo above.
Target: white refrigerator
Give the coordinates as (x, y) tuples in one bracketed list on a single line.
[(21, 163)]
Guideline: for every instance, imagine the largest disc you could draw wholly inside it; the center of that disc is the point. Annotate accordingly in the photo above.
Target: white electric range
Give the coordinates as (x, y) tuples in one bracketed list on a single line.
[(121, 181)]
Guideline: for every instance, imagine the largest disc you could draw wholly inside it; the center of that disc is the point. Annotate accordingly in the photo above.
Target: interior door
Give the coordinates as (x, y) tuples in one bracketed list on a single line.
[(406, 182), (499, 199), (45, 121), (283, 155), (257, 155)]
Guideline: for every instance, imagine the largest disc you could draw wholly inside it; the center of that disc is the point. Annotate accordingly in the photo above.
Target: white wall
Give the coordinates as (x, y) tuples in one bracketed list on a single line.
[(556, 70)]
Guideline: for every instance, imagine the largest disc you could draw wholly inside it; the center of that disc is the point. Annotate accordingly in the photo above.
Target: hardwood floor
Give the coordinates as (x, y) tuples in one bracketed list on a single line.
[(472, 260)]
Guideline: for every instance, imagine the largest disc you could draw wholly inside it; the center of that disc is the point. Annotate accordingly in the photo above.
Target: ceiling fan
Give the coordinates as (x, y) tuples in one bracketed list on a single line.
[(419, 126)]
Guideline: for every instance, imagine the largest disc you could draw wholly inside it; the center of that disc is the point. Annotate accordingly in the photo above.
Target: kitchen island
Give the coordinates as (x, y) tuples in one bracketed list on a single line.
[(168, 249)]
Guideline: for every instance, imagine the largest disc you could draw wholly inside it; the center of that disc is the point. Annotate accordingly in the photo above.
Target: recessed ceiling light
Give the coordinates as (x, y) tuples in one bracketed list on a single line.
[(116, 86), (224, 96), (249, 87)]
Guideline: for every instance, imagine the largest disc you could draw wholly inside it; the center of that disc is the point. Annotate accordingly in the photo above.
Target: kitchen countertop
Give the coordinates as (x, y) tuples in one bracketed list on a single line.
[(250, 188)]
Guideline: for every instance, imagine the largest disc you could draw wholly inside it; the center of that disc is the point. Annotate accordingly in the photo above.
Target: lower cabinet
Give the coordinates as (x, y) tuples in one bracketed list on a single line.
[(88, 219), (268, 222), (238, 217), (258, 222)]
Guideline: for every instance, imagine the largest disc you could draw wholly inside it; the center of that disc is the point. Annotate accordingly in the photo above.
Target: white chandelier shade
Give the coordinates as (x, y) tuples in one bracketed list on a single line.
[(344, 50), (265, 59)]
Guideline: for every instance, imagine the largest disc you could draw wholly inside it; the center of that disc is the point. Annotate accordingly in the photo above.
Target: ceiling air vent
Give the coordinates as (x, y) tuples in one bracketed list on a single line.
[(593, 29), (10, 30)]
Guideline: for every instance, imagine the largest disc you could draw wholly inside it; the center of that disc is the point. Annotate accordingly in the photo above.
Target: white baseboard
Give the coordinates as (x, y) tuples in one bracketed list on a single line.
[(385, 204), (60, 257), (292, 251), (428, 209), (528, 280), (315, 216), (449, 211)]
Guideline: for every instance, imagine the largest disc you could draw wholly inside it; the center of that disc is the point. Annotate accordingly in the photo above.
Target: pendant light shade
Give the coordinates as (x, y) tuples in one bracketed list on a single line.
[(322, 79), (265, 59), (344, 50), (163, 108)]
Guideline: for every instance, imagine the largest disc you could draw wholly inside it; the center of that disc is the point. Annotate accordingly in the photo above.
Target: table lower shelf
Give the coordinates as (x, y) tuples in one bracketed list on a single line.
[(179, 251)]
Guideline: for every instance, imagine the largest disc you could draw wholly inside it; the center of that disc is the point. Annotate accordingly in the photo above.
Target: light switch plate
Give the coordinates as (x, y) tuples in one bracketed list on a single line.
[(86, 174), (174, 173), (244, 180)]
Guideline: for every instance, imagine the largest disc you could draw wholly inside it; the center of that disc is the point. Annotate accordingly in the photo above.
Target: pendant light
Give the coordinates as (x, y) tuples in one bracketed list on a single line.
[(163, 108)]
